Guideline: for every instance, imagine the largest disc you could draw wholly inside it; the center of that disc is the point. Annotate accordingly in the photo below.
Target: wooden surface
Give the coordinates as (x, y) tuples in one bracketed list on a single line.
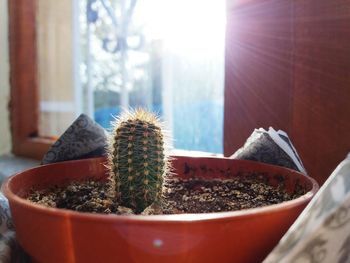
[(321, 107), (23, 79), (288, 66), (258, 70)]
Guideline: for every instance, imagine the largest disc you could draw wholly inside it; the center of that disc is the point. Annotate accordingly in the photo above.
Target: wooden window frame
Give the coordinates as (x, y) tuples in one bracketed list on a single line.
[(24, 95)]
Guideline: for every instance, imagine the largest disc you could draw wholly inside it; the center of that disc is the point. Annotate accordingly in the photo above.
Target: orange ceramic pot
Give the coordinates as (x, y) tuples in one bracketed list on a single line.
[(58, 235)]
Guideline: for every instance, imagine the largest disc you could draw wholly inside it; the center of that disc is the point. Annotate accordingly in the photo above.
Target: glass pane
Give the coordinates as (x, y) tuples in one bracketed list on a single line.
[(101, 56)]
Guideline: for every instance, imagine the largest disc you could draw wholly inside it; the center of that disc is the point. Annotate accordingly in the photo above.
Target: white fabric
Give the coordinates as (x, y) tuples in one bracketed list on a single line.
[(322, 231)]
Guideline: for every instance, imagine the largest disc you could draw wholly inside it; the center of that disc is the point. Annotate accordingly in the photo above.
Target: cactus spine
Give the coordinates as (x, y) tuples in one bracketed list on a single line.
[(137, 159)]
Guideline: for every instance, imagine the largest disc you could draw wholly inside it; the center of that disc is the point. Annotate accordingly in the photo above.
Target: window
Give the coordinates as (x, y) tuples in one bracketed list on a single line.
[(99, 56)]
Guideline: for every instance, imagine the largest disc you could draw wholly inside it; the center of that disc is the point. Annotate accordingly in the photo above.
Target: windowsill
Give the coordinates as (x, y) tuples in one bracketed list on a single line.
[(10, 164), (194, 153)]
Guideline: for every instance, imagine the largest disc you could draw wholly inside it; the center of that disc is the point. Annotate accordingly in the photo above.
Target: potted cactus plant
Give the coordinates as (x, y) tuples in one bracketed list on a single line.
[(134, 179)]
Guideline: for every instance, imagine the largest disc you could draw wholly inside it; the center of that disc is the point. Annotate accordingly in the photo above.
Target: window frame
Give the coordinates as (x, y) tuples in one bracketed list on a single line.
[(24, 95), (24, 101)]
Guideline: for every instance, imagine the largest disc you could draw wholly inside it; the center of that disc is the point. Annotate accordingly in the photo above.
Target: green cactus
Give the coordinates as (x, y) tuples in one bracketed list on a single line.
[(137, 159)]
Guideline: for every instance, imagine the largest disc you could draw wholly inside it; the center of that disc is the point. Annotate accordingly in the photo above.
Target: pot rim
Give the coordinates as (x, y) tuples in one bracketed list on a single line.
[(174, 218)]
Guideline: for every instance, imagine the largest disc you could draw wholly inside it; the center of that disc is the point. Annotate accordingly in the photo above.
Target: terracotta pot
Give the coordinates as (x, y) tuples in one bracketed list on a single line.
[(58, 235)]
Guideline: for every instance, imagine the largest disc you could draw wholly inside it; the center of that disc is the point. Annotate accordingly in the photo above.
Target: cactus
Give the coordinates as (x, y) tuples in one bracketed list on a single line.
[(137, 159)]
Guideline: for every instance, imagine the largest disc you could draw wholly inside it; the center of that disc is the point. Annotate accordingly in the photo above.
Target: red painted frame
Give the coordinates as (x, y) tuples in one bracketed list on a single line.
[(24, 110)]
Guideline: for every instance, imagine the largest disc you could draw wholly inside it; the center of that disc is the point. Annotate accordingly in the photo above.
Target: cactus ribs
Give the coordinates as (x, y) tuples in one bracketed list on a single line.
[(137, 159)]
